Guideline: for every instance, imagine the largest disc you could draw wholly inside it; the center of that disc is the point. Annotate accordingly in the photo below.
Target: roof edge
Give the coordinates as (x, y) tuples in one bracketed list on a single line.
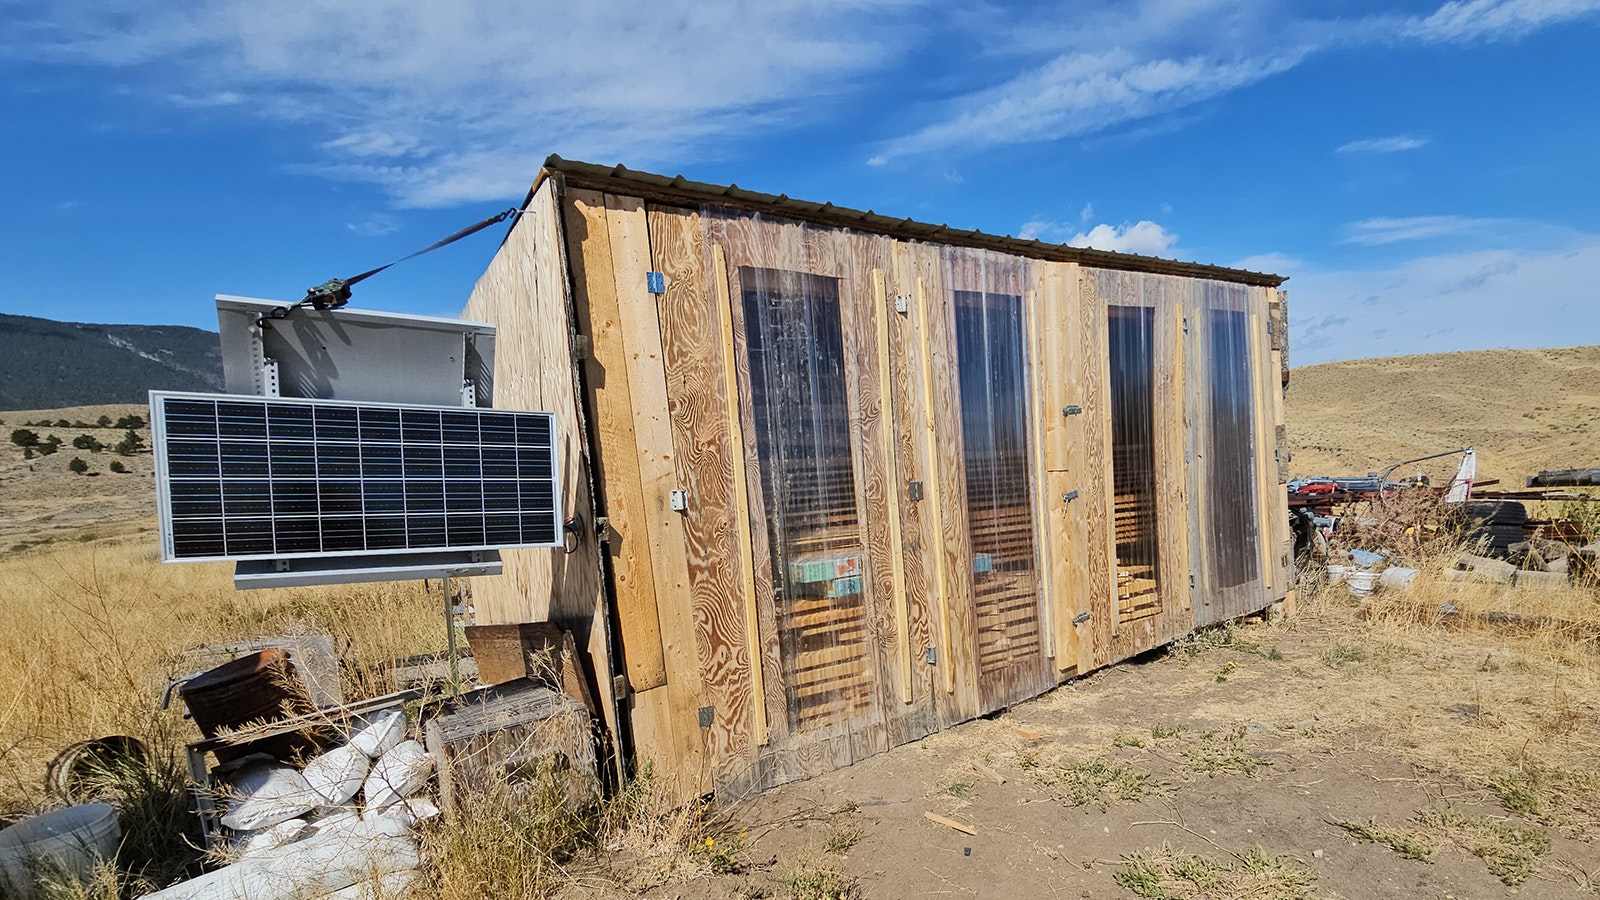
[(679, 190)]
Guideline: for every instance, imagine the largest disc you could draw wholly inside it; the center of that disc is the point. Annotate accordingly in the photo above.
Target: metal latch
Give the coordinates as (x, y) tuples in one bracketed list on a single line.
[(1069, 496), (1073, 410), (679, 501), (1080, 618), (914, 490), (655, 282)]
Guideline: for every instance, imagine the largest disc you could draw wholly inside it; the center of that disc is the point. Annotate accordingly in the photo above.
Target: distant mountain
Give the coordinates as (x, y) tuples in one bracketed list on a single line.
[(46, 364)]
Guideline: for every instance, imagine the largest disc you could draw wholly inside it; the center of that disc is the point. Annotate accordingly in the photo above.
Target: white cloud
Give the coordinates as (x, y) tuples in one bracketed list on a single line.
[(1382, 230), (1436, 304), (1144, 237), (1394, 144), (1468, 20), (1101, 68), (383, 88)]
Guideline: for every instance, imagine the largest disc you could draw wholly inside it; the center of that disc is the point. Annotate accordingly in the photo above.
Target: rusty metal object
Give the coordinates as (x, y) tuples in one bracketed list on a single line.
[(259, 687)]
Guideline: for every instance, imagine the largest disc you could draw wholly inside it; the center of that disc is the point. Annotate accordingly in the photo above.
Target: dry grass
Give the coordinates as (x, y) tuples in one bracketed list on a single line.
[(1510, 851), (93, 632), (1171, 874)]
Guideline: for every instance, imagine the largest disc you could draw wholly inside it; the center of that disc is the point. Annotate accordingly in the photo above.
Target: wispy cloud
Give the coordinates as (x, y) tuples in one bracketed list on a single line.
[(1154, 57), (1458, 301), (1382, 230), (376, 225), (1398, 143), (448, 103)]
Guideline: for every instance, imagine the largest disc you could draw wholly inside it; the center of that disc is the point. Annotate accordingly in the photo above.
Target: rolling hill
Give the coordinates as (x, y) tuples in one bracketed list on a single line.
[(1524, 410), (46, 364)]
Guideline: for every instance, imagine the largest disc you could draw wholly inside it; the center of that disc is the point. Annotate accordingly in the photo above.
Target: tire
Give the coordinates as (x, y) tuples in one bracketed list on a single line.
[(1494, 512)]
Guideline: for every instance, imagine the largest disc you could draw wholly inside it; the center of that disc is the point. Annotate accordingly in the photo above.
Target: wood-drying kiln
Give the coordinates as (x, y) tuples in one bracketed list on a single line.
[(840, 480)]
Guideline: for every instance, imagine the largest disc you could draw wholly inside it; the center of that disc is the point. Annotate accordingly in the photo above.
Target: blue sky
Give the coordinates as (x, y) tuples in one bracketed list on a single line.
[(1425, 173)]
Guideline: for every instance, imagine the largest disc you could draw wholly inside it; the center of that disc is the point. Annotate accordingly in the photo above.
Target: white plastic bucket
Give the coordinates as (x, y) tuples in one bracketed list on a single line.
[(71, 839), (1361, 581)]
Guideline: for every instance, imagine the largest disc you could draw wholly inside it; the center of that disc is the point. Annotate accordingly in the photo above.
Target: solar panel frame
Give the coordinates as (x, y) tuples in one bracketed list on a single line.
[(295, 478)]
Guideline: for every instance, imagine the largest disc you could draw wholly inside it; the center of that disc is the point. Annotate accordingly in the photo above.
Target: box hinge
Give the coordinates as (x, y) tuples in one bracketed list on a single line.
[(582, 347), (655, 282)]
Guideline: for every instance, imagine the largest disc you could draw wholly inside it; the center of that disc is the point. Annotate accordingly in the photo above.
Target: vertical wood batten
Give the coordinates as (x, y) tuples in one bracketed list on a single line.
[(887, 420), (741, 496)]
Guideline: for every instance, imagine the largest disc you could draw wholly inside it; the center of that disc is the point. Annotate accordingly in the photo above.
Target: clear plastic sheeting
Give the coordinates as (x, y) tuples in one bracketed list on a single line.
[(800, 399), (991, 360), (1228, 438), (1132, 339)]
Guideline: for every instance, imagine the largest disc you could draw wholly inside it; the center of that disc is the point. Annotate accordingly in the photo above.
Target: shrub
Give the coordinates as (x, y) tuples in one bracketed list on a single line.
[(130, 421), (103, 422), (63, 423), (23, 437), (130, 444), (87, 442), (49, 446), (118, 467), (78, 465)]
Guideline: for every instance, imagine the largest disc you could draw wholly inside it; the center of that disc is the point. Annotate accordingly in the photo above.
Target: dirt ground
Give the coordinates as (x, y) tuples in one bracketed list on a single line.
[(1262, 742)]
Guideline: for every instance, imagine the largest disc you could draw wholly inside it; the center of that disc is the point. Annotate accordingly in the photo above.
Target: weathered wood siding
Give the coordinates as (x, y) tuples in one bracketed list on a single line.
[(947, 445)]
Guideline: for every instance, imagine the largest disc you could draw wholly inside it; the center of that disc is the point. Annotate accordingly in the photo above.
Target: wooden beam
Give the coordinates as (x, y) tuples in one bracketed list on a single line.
[(886, 419), (741, 498), (932, 493), (1038, 411)]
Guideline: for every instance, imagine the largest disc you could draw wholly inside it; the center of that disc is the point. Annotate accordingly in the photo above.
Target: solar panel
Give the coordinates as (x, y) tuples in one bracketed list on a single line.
[(242, 477)]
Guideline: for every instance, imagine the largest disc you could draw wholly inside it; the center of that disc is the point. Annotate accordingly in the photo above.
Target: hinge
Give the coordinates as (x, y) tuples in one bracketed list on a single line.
[(1185, 324), (930, 655), (582, 347), (655, 282), (619, 687), (914, 490), (1072, 410), (1191, 581), (708, 715), (679, 501), (1272, 327), (603, 532), (902, 304)]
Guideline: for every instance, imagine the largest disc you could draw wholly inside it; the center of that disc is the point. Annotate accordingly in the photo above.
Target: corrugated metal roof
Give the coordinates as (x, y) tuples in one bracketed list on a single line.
[(622, 180)]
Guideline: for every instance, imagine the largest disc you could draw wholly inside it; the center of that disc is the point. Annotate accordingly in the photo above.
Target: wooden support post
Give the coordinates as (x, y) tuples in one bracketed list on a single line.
[(886, 418), (1038, 409), (932, 493), (741, 500)]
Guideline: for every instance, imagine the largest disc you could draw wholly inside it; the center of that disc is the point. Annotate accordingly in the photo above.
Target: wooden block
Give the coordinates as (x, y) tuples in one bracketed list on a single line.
[(508, 737)]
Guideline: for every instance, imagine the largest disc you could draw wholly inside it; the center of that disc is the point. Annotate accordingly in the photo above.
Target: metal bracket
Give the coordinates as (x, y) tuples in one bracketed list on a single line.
[(902, 304), (619, 687), (914, 490), (469, 394), (930, 655), (655, 282), (1072, 410), (679, 501), (1080, 618), (708, 715), (603, 532), (269, 377)]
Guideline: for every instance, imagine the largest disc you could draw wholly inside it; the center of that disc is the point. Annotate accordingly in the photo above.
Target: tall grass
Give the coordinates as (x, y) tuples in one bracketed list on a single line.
[(94, 631)]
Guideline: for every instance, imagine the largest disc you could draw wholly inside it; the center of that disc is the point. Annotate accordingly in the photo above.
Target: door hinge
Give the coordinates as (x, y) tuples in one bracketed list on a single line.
[(655, 282), (708, 715), (582, 347), (930, 655), (679, 501), (902, 304), (619, 687), (914, 490), (603, 532)]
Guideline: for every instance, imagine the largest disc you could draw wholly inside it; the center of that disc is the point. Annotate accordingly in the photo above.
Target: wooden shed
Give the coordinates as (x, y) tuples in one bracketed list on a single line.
[(842, 480)]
